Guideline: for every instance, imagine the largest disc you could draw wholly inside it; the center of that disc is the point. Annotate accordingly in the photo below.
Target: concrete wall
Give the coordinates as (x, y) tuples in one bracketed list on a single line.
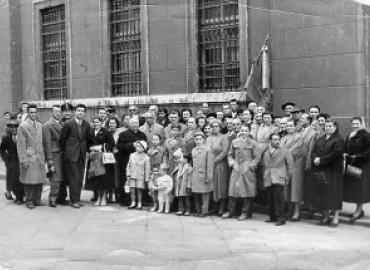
[(318, 52)]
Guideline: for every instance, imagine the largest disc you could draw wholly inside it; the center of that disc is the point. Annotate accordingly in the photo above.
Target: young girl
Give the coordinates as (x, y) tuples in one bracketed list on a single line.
[(138, 171), (165, 186), (202, 177), (153, 188), (182, 176)]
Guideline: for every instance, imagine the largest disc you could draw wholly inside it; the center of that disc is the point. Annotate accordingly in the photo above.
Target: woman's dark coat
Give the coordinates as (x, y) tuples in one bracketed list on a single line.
[(358, 190), (330, 152)]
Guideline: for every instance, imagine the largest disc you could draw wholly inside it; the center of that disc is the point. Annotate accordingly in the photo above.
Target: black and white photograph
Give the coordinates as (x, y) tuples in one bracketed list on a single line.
[(185, 134)]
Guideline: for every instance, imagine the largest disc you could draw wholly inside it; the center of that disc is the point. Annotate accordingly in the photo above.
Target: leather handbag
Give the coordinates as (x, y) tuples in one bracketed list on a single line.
[(108, 157), (353, 171)]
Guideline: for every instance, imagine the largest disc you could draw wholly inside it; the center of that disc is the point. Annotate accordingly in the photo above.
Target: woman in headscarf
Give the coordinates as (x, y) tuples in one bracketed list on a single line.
[(357, 153)]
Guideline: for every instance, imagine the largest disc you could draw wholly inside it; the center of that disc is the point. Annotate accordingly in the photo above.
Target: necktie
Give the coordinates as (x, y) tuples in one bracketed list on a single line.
[(79, 128)]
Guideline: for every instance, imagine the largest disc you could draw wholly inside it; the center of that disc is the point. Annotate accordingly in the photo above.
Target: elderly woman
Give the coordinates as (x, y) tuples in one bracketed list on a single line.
[(219, 145), (243, 158), (357, 153), (99, 141), (326, 174)]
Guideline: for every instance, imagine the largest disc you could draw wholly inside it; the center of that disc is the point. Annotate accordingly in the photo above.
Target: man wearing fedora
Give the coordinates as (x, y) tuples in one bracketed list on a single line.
[(8, 151)]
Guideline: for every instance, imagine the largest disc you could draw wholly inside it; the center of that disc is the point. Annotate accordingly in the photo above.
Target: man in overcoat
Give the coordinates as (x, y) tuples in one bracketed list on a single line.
[(73, 139), (51, 131), (31, 157)]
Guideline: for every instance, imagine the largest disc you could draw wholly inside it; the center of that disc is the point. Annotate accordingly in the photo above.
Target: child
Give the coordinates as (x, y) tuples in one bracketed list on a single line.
[(138, 171), (170, 146), (165, 186), (156, 152), (202, 184), (182, 176), (153, 188)]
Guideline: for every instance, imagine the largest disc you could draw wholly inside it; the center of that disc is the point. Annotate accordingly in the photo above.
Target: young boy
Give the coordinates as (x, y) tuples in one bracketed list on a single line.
[(153, 188)]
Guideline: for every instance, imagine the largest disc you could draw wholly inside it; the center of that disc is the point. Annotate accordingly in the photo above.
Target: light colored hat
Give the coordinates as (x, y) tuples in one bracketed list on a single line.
[(144, 144), (199, 133), (148, 114), (164, 166), (178, 153)]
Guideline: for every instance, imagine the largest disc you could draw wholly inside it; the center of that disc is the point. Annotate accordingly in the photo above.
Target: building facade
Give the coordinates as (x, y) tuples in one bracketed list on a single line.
[(182, 52)]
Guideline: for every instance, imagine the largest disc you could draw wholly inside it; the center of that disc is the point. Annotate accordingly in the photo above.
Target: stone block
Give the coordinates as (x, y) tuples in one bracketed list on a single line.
[(319, 40), (157, 11), (158, 58), (316, 70), (347, 69), (288, 44), (288, 73), (349, 37), (176, 57), (167, 82)]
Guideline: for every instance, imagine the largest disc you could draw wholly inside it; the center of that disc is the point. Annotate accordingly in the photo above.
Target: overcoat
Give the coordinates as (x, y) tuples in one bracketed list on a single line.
[(358, 190), (167, 130), (138, 167), (219, 145), (31, 152), (245, 156), (202, 170), (182, 178), (150, 131), (330, 152), (156, 155), (189, 143), (262, 136)]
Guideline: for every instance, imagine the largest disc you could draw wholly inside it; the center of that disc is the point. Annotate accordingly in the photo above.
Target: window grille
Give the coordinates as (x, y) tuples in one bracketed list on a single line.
[(126, 72), (54, 61), (218, 39)]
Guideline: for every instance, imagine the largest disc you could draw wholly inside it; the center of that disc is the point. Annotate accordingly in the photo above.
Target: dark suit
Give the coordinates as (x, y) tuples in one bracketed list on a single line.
[(73, 140), (8, 151), (51, 131)]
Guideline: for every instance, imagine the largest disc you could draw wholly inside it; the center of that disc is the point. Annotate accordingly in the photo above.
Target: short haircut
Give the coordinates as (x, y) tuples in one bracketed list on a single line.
[(358, 118), (102, 109), (324, 115), (114, 119), (31, 106), (159, 136), (275, 134), (250, 112), (175, 112), (314, 106), (5, 113), (291, 120), (187, 110), (267, 113), (80, 105), (97, 117), (234, 100), (55, 106)]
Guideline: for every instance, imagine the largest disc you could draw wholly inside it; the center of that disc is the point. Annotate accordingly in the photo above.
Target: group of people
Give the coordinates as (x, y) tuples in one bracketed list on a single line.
[(219, 162)]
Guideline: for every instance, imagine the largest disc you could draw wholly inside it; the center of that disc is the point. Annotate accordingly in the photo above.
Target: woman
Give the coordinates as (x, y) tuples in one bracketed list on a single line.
[(219, 145), (99, 140), (201, 122), (243, 158), (207, 130), (326, 174), (357, 153)]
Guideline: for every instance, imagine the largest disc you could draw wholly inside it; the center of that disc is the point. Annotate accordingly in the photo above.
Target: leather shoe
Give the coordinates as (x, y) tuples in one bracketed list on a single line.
[(280, 223), (353, 218), (242, 217), (30, 205), (52, 204), (226, 215), (75, 205), (271, 220), (295, 219), (80, 204)]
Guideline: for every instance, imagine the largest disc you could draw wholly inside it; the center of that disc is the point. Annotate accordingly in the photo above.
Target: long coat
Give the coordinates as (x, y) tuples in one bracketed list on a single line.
[(330, 152), (170, 146), (31, 153), (150, 131), (245, 156), (189, 143), (358, 190), (156, 156), (219, 146), (202, 170), (182, 178)]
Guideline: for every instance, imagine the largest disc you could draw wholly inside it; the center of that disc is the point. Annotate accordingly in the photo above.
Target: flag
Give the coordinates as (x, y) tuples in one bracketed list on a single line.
[(253, 85)]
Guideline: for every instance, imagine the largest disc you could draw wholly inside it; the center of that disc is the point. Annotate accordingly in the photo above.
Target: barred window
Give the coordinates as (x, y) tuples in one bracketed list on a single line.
[(126, 72), (54, 61), (218, 51)]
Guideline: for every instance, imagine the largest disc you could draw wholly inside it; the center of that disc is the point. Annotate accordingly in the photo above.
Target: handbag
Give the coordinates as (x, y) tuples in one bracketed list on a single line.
[(320, 178), (108, 157), (353, 171)]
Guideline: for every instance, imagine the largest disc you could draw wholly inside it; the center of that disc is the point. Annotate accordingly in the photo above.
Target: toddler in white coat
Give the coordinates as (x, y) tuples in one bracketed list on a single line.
[(164, 186)]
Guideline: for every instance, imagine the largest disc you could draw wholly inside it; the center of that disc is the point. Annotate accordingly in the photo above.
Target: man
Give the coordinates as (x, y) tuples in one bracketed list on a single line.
[(31, 157), (205, 108), (226, 109), (111, 112), (133, 111), (150, 128), (53, 152), (278, 165), (314, 111), (24, 110), (163, 117), (252, 106), (73, 140), (174, 121), (6, 116), (126, 146), (296, 114), (234, 108), (282, 129), (287, 108), (102, 112), (186, 114), (154, 110), (67, 113)]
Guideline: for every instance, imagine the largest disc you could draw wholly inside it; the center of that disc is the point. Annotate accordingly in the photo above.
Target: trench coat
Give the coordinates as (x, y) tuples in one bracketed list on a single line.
[(170, 146), (219, 146), (245, 156), (182, 178), (202, 170), (262, 136), (358, 190), (330, 152), (31, 153)]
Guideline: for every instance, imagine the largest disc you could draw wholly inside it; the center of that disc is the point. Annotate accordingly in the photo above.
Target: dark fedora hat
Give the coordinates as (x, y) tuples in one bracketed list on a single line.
[(286, 104)]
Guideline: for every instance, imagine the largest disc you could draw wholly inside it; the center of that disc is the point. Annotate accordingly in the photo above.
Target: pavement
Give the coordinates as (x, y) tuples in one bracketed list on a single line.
[(113, 237)]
